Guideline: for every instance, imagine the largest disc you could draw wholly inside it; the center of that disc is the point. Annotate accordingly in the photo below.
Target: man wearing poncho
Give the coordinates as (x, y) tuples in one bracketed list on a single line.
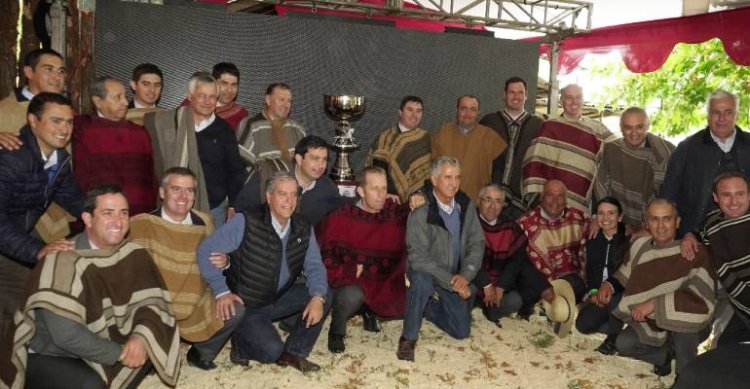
[(171, 234), (363, 248), (667, 301), (100, 315)]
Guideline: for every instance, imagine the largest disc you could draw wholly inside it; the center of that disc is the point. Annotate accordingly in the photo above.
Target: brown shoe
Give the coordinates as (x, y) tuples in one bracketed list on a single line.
[(406, 349), (298, 362)]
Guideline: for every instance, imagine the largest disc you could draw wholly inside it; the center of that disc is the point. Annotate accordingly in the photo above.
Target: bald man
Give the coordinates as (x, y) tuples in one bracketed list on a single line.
[(566, 148), (556, 243)]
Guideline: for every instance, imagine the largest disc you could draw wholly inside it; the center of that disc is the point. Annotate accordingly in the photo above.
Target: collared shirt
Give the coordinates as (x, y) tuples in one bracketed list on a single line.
[(25, 92), (187, 221), (309, 186), (447, 208), (203, 124), (492, 223), (280, 231), (93, 246), (49, 160), (514, 117), (402, 128), (136, 104), (727, 144)]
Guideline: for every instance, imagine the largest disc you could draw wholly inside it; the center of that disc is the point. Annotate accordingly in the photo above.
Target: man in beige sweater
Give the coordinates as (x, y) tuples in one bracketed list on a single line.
[(474, 145)]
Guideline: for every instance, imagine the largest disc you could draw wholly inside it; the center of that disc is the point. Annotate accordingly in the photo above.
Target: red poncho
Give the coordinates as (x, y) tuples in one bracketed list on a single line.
[(351, 236)]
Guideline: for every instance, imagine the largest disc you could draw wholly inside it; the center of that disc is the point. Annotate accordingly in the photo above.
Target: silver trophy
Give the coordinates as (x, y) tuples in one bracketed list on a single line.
[(343, 109)]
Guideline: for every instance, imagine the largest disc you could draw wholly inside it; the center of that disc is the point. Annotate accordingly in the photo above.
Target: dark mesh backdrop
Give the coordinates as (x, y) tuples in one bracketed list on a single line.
[(315, 57)]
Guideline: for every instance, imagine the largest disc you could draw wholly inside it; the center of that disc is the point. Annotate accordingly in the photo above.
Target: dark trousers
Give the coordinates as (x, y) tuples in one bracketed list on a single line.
[(13, 278), (449, 312), (347, 300), (210, 348), (532, 283), (592, 319), (685, 346), (259, 340), (510, 303), (726, 365), (49, 372)]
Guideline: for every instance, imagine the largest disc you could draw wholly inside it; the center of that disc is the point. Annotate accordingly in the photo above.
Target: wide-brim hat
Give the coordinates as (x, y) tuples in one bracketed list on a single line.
[(562, 310)]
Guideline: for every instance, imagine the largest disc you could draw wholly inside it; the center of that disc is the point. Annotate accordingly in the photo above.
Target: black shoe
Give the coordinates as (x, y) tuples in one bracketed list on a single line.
[(336, 343), (525, 313), (235, 355), (298, 362), (497, 323), (608, 347), (663, 369), (369, 321), (194, 359)]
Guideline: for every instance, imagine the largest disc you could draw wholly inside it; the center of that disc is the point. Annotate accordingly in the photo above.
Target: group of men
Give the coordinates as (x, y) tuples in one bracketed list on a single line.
[(221, 224)]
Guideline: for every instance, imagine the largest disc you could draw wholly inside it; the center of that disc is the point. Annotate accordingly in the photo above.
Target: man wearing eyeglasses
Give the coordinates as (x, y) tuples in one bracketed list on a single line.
[(504, 267), (474, 145)]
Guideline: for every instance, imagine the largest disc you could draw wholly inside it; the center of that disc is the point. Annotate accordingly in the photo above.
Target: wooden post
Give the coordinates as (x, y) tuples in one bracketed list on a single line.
[(29, 40), (8, 34), (80, 54)]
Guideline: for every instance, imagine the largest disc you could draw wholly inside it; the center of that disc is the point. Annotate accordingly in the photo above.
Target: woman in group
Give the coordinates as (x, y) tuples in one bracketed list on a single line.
[(604, 254)]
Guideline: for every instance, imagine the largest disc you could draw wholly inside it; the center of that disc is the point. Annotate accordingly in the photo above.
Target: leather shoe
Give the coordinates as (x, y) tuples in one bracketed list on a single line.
[(235, 355), (194, 359), (406, 348), (370, 322), (298, 362), (608, 347), (336, 343)]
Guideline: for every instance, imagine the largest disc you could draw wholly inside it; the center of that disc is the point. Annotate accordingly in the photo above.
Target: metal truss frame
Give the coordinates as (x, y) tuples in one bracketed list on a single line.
[(543, 16)]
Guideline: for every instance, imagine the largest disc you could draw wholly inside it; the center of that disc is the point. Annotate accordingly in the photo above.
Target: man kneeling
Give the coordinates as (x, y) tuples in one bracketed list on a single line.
[(445, 245), (269, 251), (97, 316), (667, 301)]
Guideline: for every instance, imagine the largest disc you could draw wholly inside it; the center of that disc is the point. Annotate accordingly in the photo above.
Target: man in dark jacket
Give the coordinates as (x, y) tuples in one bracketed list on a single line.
[(30, 179), (698, 160), (445, 245), (269, 250)]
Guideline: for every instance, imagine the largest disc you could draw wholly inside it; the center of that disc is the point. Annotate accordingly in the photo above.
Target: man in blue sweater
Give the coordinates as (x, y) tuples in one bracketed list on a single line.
[(268, 250)]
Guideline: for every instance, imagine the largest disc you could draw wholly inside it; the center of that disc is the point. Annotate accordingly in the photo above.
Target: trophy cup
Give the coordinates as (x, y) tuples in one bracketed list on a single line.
[(344, 109)]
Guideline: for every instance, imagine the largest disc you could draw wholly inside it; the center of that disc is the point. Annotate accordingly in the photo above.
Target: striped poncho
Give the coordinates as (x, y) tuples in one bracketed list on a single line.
[(683, 291), (615, 175), (173, 248), (567, 150), (405, 156), (730, 255), (115, 294)]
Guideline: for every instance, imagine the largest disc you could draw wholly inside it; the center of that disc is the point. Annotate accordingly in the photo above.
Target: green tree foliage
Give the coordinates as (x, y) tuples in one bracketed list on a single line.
[(675, 95)]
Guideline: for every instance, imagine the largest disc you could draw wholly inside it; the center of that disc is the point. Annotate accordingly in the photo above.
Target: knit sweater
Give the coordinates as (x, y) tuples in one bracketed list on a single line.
[(115, 152)]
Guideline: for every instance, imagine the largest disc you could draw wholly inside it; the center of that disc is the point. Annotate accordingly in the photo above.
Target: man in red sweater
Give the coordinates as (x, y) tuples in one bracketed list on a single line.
[(109, 149)]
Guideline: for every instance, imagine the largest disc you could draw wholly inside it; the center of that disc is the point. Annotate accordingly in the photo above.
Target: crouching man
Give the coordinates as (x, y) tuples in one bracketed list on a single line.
[(445, 245), (100, 315), (269, 250)]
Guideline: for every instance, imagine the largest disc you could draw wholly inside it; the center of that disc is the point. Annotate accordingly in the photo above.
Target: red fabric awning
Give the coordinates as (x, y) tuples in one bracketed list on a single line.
[(645, 46)]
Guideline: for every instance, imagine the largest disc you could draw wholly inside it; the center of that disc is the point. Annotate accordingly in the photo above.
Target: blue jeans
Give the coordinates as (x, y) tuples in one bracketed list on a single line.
[(449, 312), (257, 337)]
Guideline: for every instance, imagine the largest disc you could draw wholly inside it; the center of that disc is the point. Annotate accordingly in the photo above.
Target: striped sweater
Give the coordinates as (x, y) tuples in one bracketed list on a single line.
[(683, 291), (730, 255)]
